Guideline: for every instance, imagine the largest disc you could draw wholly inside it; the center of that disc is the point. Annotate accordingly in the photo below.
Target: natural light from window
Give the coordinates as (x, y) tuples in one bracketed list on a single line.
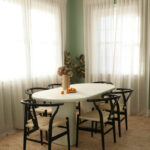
[(46, 39), (29, 45), (115, 44), (12, 48)]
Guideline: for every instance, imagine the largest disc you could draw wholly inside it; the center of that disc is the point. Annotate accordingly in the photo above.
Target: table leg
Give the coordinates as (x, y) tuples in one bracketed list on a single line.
[(67, 110)]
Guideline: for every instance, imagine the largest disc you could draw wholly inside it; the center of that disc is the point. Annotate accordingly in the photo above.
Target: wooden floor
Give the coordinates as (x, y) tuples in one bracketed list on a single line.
[(136, 138)]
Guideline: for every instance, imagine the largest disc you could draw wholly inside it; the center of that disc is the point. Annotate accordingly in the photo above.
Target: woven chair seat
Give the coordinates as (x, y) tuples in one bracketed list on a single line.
[(42, 110), (106, 106), (94, 116), (43, 123)]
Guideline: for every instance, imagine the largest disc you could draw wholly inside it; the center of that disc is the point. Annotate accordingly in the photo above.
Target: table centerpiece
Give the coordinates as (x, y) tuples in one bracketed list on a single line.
[(65, 73)]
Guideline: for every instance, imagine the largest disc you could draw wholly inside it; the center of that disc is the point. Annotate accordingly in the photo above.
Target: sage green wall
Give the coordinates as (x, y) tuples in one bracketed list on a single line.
[(75, 35)]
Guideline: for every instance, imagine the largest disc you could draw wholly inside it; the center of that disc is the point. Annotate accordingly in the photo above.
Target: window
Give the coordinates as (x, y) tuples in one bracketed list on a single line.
[(30, 39), (12, 46), (46, 43), (116, 42)]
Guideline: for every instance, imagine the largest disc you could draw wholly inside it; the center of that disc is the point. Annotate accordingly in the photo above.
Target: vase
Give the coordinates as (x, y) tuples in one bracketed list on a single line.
[(65, 82)]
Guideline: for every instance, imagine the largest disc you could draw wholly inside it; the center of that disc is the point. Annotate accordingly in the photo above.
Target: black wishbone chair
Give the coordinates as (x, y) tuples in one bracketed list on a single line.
[(92, 123), (30, 91), (104, 82), (54, 85), (41, 110), (37, 122), (78, 108), (121, 108), (103, 117)]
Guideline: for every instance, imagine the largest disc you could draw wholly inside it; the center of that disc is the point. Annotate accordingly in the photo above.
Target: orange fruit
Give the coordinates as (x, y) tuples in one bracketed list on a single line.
[(73, 89), (67, 91), (70, 89), (62, 92)]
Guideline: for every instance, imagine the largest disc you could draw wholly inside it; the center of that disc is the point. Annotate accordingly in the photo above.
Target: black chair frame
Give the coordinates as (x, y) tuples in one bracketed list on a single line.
[(30, 91), (125, 93), (92, 124), (78, 107), (113, 100), (103, 82), (30, 110), (51, 86)]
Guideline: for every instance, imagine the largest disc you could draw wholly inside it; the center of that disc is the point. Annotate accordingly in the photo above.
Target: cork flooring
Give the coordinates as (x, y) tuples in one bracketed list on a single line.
[(136, 138)]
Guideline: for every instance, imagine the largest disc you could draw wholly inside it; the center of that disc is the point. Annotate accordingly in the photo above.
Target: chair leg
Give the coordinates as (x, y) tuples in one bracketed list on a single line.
[(95, 126), (24, 138), (77, 131), (114, 131), (41, 137), (46, 134), (119, 124), (50, 140), (102, 135), (68, 133), (126, 119), (92, 126)]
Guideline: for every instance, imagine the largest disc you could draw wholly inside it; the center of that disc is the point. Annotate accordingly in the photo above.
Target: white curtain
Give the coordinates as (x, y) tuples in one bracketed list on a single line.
[(116, 46), (32, 41)]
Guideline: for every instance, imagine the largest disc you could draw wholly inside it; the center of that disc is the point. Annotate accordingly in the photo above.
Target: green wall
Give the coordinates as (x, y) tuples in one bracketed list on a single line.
[(75, 32), (75, 35)]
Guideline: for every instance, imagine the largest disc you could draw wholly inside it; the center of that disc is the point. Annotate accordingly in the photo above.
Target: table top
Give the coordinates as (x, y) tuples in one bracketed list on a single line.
[(84, 92)]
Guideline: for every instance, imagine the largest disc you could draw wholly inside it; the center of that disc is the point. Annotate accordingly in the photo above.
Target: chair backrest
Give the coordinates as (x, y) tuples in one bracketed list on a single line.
[(113, 101), (54, 85), (124, 92), (29, 111), (104, 82), (30, 91)]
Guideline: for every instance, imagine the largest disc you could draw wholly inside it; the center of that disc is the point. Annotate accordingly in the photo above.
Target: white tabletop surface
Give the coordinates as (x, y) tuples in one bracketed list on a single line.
[(84, 91)]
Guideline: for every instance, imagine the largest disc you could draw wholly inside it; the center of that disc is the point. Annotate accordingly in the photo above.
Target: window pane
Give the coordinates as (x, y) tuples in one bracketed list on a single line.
[(116, 43), (46, 43), (12, 49)]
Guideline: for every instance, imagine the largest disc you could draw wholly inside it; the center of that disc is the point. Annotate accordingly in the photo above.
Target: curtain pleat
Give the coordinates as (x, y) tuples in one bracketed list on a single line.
[(32, 42), (116, 47)]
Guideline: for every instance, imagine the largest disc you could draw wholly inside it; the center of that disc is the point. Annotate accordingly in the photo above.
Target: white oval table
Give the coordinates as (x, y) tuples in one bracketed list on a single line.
[(84, 92)]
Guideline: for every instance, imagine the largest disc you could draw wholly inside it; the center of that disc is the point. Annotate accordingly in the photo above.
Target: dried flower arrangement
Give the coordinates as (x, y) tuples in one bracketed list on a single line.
[(68, 61), (64, 70), (78, 66)]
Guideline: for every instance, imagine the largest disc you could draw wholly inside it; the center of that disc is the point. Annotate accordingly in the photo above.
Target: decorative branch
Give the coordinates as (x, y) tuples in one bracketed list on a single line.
[(68, 61), (78, 67)]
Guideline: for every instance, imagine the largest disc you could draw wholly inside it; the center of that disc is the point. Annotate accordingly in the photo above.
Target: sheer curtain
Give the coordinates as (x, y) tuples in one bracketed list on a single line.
[(116, 46), (32, 41)]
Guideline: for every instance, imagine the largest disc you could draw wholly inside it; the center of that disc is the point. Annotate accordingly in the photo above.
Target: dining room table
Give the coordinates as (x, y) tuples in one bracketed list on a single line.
[(83, 92)]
